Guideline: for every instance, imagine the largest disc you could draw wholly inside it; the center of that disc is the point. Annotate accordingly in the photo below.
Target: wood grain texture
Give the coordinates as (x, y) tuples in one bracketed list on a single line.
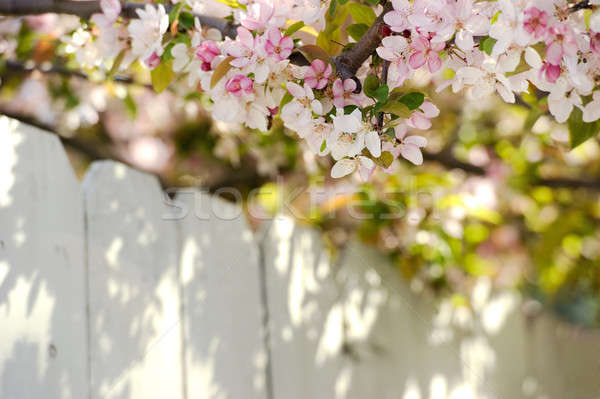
[(43, 350), (135, 334), (222, 309)]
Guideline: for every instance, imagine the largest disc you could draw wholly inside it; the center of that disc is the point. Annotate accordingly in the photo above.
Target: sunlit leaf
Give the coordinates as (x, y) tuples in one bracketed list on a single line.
[(357, 31), (293, 28), (312, 52), (487, 45), (362, 14), (220, 71), (397, 108), (580, 131), (162, 76)]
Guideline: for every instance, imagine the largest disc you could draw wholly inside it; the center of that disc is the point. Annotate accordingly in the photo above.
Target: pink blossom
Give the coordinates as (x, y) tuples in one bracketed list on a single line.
[(207, 51), (278, 46), (242, 48), (421, 119), (560, 41), (152, 61), (343, 93), (257, 15), (536, 22), (550, 71), (317, 75), (426, 52), (410, 146), (595, 41), (239, 85)]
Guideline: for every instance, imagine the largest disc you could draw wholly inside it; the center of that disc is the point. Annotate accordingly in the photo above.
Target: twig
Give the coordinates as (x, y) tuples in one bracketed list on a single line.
[(384, 77), (59, 70), (351, 59), (582, 5)]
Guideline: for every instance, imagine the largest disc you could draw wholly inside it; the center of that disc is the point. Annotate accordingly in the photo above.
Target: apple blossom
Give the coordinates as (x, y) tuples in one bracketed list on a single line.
[(343, 93), (278, 46), (147, 31), (317, 75), (239, 85)]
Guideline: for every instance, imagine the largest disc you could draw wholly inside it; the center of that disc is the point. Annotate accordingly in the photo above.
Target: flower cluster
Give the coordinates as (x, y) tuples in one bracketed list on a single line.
[(502, 47), (514, 48)]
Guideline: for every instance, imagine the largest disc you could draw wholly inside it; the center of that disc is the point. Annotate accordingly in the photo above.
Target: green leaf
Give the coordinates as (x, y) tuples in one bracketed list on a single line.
[(130, 106), (412, 100), (287, 97), (495, 17), (220, 71), (186, 20), (381, 94), (397, 108), (293, 28), (487, 45), (348, 109), (162, 76), (370, 85), (362, 14), (580, 131), (312, 52), (323, 146), (356, 31), (385, 160), (174, 13), (116, 64), (332, 7)]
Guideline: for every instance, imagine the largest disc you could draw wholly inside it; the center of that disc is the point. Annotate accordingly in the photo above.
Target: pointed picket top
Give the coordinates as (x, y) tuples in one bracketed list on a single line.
[(134, 305), (225, 353)]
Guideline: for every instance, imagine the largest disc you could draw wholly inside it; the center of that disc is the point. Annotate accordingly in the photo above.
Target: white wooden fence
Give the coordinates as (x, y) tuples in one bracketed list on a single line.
[(105, 294)]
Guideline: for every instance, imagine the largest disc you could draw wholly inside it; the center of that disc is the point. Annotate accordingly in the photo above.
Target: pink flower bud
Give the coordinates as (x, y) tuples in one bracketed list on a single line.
[(207, 51), (153, 61), (239, 85), (550, 71)]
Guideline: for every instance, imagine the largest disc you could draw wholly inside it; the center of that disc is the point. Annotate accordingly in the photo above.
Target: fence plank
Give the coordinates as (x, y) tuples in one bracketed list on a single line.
[(223, 316), (391, 335), (42, 275), (132, 256), (305, 320)]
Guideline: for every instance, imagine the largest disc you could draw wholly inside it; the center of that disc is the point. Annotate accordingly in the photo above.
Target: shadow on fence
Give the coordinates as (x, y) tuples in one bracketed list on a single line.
[(102, 295)]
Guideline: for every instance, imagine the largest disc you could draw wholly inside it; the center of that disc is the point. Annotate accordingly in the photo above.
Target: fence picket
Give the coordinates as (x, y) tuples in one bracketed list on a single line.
[(176, 299), (305, 320), (42, 270), (223, 334), (135, 336)]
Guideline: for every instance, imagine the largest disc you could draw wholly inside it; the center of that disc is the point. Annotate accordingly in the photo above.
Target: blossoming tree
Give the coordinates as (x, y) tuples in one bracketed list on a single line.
[(349, 100), (338, 76)]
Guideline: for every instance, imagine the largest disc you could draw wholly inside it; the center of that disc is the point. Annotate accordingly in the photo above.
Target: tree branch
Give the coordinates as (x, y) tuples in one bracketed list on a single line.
[(85, 9), (15, 66), (351, 59), (582, 5)]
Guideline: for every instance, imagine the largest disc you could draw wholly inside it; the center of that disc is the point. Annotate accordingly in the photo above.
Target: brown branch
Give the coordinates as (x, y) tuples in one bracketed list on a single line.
[(14, 66), (85, 9), (351, 59), (93, 153), (384, 78), (582, 5)]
